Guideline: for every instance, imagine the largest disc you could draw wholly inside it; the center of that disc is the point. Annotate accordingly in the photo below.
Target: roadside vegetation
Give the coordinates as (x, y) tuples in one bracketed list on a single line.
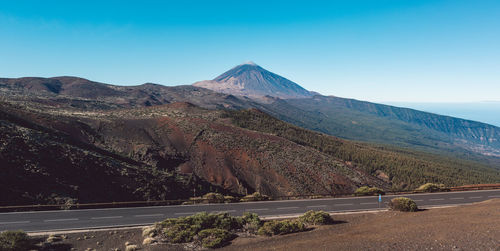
[(403, 204), (366, 191), (431, 187), (217, 230), (15, 241), (255, 197)]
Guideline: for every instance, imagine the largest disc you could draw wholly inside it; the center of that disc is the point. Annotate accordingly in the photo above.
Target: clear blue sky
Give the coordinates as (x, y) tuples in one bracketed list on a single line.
[(379, 50)]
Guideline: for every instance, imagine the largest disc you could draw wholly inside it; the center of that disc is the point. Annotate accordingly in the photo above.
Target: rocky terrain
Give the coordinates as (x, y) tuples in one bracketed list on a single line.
[(51, 155), (471, 227), (65, 138)]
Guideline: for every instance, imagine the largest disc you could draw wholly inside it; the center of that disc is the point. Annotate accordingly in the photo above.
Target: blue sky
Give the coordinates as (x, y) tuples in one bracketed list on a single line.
[(411, 51)]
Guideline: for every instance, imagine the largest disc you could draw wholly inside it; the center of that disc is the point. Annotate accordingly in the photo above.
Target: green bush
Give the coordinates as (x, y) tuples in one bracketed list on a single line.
[(214, 237), (431, 187), (230, 199), (251, 222), (14, 241), (255, 197), (276, 227), (403, 204), (184, 229), (316, 218), (365, 191), (213, 198)]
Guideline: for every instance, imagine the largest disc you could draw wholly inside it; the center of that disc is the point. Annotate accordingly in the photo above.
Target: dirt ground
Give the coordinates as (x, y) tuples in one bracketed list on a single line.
[(471, 227)]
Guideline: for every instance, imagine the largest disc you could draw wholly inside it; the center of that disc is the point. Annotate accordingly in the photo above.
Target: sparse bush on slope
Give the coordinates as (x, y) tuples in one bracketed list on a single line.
[(214, 237), (14, 241), (255, 197), (431, 187), (365, 191), (403, 204), (212, 230), (213, 198), (316, 218), (279, 227)]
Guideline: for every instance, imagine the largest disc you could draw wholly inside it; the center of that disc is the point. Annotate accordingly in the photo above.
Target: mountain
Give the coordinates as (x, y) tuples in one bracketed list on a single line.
[(154, 153), (85, 94), (354, 119), (254, 81), (371, 122), (68, 138)]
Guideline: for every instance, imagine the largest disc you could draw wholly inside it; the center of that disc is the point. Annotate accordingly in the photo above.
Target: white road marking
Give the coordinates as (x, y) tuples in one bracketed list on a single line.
[(344, 204), (148, 215), (226, 211), (494, 196), (436, 199), (70, 219), (316, 206), (186, 213), (14, 222), (418, 200), (476, 197), (458, 198), (368, 203), (284, 208), (106, 217), (257, 209)]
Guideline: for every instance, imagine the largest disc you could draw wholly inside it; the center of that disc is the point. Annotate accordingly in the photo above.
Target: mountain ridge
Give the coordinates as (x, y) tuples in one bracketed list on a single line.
[(341, 117), (186, 137)]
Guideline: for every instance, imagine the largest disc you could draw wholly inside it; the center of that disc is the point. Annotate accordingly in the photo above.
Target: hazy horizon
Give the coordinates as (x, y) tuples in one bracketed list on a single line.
[(486, 111)]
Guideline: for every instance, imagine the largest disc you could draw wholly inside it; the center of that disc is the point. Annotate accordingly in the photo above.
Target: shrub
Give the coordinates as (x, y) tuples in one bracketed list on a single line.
[(148, 241), (214, 237), (230, 199), (14, 241), (365, 191), (54, 238), (183, 229), (149, 231), (276, 227), (131, 248), (316, 218), (251, 222), (431, 187), (255, 197), (403, 204), (213, 198)]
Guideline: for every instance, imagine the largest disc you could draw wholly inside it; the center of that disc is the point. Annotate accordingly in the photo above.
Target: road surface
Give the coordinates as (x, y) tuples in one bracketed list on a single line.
[(38, 221)]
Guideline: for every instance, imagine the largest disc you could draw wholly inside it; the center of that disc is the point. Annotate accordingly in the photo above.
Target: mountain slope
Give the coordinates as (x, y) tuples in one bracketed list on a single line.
[(404, 168), (150, 143), (254, 81), (359, 120), (44, 160), (155, 153)]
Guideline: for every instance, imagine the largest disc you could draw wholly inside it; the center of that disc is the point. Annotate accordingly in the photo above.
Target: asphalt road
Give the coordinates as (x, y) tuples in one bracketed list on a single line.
[(114, 217)]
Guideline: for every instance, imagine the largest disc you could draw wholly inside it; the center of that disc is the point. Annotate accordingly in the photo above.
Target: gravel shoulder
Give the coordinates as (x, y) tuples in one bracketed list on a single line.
[(469, 227)]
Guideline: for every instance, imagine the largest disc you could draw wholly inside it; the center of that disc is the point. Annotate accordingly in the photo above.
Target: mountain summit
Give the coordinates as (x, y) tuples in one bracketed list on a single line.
[(251, 80)]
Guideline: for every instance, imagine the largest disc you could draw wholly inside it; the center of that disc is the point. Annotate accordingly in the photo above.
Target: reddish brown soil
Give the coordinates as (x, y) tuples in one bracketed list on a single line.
[(472, 227)]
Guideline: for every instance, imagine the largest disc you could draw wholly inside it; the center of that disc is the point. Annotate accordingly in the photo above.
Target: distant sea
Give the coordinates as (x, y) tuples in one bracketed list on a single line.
[(486, 112)]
